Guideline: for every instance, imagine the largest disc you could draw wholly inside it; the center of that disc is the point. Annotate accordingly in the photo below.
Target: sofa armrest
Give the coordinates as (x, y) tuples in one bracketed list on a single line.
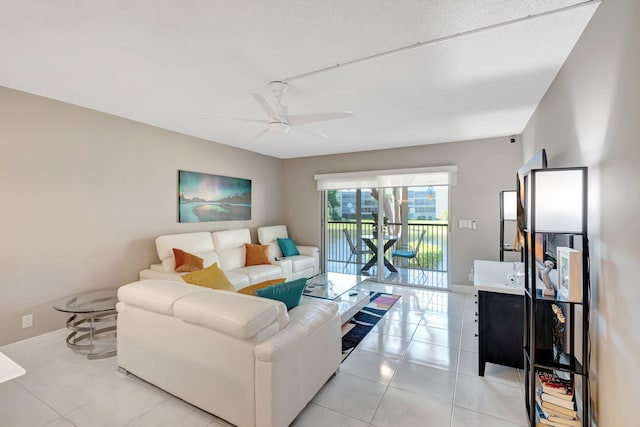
[(305, 319), (238, 315), (287, 268), (313, 252), (307, 250)]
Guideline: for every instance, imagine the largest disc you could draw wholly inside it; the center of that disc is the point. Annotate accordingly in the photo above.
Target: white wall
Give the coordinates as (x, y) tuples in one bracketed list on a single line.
[(591, 116), (86, 193), (485, 167)]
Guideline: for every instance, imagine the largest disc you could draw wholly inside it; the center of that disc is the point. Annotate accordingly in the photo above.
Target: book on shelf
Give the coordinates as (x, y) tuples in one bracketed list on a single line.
[(559, 410), (567, 404), (555, 386), (546, 418)]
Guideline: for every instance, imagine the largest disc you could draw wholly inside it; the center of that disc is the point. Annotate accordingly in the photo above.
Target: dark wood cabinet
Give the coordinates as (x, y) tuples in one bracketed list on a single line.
[(501, 329)]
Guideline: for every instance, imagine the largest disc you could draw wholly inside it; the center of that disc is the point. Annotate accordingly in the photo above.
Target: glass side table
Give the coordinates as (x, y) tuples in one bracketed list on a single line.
[(94, 318)]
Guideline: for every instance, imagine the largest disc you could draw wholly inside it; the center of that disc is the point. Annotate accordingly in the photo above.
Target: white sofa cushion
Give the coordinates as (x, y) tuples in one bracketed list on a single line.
[(269, 236), (301, 263), (238, 279), (260, 273), (156, 267), (228, 239), (157, 295), (199, 242), (238, 315), (230, 248)]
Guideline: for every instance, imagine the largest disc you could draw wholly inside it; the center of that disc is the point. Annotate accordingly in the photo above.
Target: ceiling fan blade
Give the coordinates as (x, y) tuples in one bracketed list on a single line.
[(301, 119), (318, 133), (253, 121), (259, 134), (266, 105)]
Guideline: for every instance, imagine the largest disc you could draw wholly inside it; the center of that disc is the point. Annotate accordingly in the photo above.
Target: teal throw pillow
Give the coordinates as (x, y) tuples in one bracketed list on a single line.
[(287, 247), (289, 292)]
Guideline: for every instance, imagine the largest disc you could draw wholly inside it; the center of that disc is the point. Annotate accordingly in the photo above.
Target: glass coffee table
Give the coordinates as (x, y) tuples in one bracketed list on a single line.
[(349, 291), (93, 317)]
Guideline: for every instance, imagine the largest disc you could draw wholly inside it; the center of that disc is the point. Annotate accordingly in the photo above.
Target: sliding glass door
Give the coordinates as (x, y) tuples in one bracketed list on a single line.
[(395, 234)]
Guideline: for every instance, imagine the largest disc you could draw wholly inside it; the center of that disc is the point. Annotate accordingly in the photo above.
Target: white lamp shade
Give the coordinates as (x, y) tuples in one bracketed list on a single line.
[(559, 196), (509, 206)]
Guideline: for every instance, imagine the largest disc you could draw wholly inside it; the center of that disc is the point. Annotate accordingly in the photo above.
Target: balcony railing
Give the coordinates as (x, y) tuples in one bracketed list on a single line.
[(432, 255)]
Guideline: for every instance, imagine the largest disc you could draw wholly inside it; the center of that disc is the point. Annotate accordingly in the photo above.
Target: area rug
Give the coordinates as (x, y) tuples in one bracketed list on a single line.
[(359, 326)]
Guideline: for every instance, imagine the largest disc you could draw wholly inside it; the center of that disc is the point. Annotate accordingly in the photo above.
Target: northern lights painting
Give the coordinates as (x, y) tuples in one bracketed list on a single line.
[(203, 197)]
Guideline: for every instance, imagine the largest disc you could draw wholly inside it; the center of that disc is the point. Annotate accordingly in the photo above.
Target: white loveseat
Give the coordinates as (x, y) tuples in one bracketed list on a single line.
[(224, 247), (307, 264), (243, 358)]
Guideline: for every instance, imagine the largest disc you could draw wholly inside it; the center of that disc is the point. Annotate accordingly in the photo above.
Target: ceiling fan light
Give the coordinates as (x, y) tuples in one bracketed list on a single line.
[(279, 127)]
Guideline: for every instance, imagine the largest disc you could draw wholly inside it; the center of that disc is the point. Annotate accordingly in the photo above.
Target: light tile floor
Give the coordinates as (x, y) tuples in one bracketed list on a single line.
[(418, 367)]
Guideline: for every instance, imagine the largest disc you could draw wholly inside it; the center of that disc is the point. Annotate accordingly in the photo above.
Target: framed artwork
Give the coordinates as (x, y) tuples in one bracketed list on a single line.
[(203, 197), (570, 274)]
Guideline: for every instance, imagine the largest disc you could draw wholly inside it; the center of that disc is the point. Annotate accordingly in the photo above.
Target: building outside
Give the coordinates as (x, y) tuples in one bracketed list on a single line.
[(424, 203)]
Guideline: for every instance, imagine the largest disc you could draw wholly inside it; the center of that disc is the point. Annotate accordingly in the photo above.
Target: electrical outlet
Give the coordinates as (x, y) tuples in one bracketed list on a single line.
[(27, 320)]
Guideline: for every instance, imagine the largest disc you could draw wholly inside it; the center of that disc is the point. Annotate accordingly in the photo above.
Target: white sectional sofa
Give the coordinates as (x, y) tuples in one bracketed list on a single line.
[(307, 264), (243, 358), (227, 248)]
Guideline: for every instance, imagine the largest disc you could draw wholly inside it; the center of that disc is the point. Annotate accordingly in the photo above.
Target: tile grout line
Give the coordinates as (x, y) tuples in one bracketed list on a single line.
[(455, 387), (402, 358), (46, 404), (392, 376)]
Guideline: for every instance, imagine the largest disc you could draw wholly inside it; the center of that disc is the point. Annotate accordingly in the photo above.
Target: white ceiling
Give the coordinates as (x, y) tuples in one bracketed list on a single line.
[(191, 65)]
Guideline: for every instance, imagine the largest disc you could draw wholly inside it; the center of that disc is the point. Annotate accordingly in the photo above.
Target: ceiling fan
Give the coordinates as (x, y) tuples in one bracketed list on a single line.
[(279, 119)]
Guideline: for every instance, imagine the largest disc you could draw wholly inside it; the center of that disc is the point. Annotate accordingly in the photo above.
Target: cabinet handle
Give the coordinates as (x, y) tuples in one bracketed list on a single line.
[(475, 335)]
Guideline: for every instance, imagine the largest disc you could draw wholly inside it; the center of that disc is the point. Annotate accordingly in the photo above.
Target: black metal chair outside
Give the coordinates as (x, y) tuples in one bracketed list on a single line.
[(411, 253), (356, 250)]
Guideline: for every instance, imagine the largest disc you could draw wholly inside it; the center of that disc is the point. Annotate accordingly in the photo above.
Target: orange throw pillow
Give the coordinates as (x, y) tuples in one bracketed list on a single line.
[(186, 262), (256, 254), (251, 289)]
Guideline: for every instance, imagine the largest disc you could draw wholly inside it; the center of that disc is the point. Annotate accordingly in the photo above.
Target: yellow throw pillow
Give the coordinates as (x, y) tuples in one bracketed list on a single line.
[(186, 262), (256, 254), (251, 289), (210, 277)]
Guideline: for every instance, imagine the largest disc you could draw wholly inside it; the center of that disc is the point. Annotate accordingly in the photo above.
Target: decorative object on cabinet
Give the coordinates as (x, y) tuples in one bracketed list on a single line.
[(570, 274), (556, 205), (543, 273), (559, 321)]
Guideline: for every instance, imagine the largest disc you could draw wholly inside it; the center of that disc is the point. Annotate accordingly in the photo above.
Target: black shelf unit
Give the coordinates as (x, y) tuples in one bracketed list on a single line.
[(544, 356), (506, 247)]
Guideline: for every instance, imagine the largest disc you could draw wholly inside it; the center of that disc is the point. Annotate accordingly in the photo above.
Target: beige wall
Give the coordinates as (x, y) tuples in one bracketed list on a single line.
[(591, 116), (484, 168), (85, 194)]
